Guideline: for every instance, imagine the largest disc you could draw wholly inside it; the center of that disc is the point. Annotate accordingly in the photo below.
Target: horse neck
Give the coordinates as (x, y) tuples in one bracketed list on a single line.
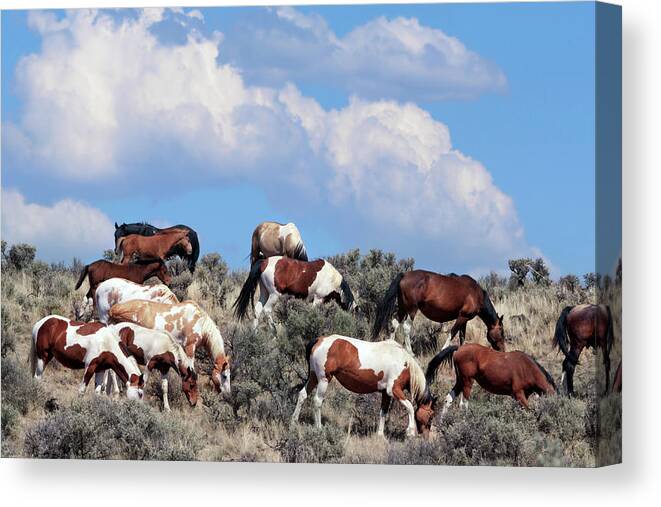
[(488, 313), (417, 380), (129, 366)]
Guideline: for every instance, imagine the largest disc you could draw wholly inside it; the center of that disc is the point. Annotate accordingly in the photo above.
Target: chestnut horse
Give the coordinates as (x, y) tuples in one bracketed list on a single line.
[(272, 238), (101, 270), (513, 373), (317, 281), (440, 298), (118, 290), (368, 367), (157, 350), (189, 324), (579, 327), (160, 246), (145, 229), (83, 345)]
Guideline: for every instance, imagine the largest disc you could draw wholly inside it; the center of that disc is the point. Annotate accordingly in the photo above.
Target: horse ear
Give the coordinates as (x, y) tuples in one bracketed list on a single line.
[(116, 226), (501, 318)]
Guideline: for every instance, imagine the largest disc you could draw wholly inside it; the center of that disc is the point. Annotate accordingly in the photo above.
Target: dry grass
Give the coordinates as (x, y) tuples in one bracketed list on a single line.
[(267, 372)]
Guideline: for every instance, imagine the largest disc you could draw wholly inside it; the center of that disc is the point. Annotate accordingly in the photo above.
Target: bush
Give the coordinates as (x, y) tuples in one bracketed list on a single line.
[(307, 444), (19, 389), (561, 417), (211, 273), (416, 451), (21, 256), (99, 428)]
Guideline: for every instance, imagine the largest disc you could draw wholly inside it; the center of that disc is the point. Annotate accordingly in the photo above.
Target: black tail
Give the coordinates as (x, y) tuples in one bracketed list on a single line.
[(247, 291), (348, 295), (195, 254), (610, 336), (444, 356), (387, 306), (83, 274), (548, 376), (560, 339), (300, 252)]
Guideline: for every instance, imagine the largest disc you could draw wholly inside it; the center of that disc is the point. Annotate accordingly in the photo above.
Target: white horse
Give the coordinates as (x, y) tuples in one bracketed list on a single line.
[(368, 367), (118, 290), (158, 350), (91, 346)]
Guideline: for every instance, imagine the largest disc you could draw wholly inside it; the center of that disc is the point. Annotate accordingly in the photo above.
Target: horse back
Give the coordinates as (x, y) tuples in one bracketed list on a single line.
[(441, 297), (589, 324), (295, 277)]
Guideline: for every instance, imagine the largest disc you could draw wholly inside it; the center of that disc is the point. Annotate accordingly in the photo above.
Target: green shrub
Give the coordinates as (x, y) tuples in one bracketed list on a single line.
[(21, 255), (561, 417), (19, 389), (211, 272), (416, 451), (307, 444)]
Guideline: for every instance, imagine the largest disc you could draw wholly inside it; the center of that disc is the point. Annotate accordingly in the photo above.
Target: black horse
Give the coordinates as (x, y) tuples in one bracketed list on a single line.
[(145, 229)]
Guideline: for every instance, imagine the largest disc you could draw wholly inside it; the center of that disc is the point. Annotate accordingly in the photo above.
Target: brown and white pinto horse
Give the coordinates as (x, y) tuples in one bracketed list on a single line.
[(157, 350), (160, 246), (101, 270), (317, 281), (118, 290), (189, 324), (513, 374), (440, 298), (579, 327), (368, 367), (91, 346), (272, 238)]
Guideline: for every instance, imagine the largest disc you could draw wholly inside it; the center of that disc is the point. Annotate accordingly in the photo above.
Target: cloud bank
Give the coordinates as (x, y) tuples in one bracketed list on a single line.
[(109, 107)]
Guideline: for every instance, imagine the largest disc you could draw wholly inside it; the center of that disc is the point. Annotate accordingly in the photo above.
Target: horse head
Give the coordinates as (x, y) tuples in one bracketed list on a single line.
[(220, 376), (163, 273), (496, 334), (189, 384), (424, 414)]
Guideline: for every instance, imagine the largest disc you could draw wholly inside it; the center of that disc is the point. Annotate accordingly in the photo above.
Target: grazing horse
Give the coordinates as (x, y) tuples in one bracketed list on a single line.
[(579, 327), (440, 298), (101, 270), (160, 246), (118, 290), (189, 324), (157, 350), (91, 346), (317, 281), (513, 374), (272, 238), (617, 381), (145, 229), (368, 367)]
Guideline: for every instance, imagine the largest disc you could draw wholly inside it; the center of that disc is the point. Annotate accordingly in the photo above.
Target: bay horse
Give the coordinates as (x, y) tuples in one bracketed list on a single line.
[(117, 290), (91, 346), (579, 327), (145, 229), (514, 374), (368, 367), (102, 270), (440, 298), (189, 324), (272, 238), (317, 281), (158, 350), (161, 246)]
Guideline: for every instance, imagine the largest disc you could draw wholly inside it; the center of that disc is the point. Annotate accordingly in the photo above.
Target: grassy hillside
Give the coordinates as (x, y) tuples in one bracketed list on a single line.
[(49, 419)]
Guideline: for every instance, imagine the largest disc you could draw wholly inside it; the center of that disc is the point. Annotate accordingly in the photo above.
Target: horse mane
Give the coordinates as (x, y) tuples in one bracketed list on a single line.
[(548, 376), (348, 295), (488, 309), (560, 336), (300, 252), (417, 383), (387, 306), (214, 339)]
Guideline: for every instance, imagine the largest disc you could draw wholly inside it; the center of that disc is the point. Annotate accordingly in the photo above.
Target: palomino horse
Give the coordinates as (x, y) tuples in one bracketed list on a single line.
[(317, 281), (100, 271), (272, 238), (118, 290), (440, 298), (579, 327), (189, 324), (157, 350), (88, 345), (368, 367), (514, 373), (160, 246), (145, 229)]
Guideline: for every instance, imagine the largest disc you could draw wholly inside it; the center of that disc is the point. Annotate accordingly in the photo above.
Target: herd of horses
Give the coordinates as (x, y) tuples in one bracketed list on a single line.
[(146, 325)]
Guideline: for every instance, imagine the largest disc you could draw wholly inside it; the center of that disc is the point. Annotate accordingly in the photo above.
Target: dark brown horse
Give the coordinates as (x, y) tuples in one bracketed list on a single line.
[(514, 374), (440, 298), (145, 229), (101, 270), (579, 327), (161, 245)]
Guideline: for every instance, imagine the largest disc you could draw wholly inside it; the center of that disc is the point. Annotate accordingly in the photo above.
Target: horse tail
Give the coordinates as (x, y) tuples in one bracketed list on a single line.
[(247, 291), (444, 356), (348, 295), (254, 247), (387, 306), (300, 252), (560, 339), (195, 254), (610, 334), (83, 274), (548, 376)]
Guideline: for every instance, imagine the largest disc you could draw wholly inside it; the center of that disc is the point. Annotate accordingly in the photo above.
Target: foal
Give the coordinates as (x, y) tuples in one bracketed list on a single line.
[(368, 367), (514, 373), (78, 345)]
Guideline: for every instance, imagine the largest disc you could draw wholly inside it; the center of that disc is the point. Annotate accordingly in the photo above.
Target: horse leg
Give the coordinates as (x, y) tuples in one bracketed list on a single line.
[(385, 406), (113, 384), (309, 386), (462, 334), (399, 395), (164, 389), (99, 382), (87, 376), (259, 307), (461, 321), (395, 326), (465, 392), (268, 311), (406, 325), (568, 376), (318, 400), (40, 366), (521, 397)]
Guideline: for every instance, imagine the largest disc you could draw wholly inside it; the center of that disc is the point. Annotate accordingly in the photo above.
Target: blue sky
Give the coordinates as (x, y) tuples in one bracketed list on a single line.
[(362, 138)]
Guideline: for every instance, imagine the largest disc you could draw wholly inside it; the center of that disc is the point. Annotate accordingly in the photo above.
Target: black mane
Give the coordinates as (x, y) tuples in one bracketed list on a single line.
[(488, 311)]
